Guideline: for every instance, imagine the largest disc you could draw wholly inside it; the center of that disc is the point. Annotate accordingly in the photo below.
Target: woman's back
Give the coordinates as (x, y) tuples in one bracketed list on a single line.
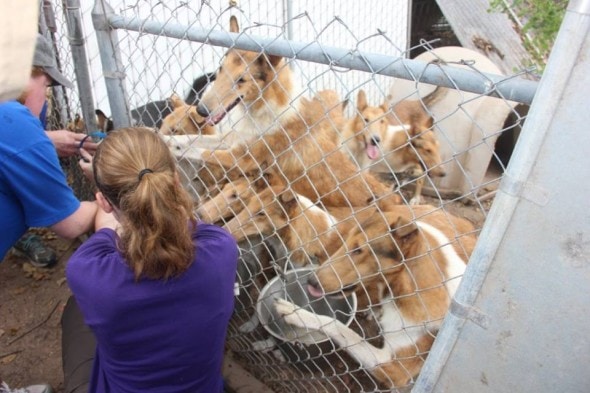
[(156, 335)]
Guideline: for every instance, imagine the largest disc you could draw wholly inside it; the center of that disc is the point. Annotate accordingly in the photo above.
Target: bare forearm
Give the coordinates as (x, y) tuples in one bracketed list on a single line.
[(78, 223)]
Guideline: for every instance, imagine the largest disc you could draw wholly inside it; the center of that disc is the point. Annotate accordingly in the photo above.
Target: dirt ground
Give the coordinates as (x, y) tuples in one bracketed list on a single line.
[(32, 301)]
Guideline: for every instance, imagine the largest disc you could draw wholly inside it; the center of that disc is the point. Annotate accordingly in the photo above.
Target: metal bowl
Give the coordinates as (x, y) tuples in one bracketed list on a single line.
[(292, 286)]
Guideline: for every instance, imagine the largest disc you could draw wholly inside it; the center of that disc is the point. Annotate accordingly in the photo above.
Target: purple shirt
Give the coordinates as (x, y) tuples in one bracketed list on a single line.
[(155, 335)]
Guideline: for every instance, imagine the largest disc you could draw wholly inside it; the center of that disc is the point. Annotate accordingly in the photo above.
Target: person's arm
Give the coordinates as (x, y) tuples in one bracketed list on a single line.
[(77, 223), (68, 143)]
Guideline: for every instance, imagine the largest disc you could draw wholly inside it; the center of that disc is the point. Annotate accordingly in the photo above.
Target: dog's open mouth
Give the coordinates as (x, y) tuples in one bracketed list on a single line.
[(372, 149), (216, 118), (315, 290)]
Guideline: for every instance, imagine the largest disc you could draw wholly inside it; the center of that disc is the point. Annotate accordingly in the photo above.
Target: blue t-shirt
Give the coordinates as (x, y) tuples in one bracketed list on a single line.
[(152, 335), (33, 188)]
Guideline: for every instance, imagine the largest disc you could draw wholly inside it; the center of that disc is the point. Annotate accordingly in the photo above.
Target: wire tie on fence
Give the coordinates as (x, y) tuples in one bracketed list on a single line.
[(76, 41), (525, 190), (114, 75), (468, 312)]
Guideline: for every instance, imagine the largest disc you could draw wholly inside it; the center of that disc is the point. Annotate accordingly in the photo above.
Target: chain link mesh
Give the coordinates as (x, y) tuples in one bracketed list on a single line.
[(466, 132)]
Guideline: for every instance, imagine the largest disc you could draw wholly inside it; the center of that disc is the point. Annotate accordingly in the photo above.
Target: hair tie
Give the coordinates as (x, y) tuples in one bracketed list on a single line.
[(143, 172)]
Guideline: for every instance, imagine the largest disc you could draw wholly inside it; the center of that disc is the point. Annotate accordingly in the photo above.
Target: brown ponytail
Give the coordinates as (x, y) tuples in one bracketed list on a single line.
[(136, 172)]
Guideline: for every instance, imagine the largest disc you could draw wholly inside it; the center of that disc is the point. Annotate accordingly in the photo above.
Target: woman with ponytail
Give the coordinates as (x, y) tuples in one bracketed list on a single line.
[(155, 286)]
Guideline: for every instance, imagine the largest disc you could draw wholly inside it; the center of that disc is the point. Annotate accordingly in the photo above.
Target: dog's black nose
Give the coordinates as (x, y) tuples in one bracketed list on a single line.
[(375, 140), (202, 110), (313, 282)]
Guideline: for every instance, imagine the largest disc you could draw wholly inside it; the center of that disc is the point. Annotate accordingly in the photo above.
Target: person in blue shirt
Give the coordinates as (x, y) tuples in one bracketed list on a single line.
[(33, 188), (155, 286)]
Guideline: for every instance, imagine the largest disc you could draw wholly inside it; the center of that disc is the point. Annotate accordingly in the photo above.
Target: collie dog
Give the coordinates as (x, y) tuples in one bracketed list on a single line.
[(184, 120), (412, 259), (295, 150), (395, 140), (231, 200), (304, 229)]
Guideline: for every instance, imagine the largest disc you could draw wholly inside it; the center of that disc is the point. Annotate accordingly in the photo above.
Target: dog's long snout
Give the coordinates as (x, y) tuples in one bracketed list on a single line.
[(437, 172), (375, 140), (203, 110)]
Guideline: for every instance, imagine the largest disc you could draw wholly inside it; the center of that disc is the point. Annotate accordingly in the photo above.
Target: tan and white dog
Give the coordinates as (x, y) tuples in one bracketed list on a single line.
[(411, 259), (305, 230), (289, 146), (396, 140), (231, 200), (184, 120)]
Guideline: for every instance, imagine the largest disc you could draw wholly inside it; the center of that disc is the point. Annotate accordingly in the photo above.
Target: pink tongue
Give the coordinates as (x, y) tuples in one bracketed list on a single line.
[(216, 119), (372, 152), (313, 291)]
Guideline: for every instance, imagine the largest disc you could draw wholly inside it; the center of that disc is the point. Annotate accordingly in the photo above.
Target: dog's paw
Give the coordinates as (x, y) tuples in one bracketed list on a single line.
[(264, 345), (279, 356), (416, 200), (284, 307), (250, 325), (296, 316)]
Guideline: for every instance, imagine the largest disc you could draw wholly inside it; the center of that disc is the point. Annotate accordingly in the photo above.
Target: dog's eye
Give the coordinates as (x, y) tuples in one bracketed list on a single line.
[(234, 195), (366, 120), (240, 81), (356, 251)]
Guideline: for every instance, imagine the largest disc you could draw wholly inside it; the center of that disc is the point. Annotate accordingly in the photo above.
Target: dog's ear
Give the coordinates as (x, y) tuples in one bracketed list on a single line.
[(287, 196), (104, 123), (176, 101), (233, 25), (361, 100), (100, 113), (345, 103), (403, 229), (270, 59)]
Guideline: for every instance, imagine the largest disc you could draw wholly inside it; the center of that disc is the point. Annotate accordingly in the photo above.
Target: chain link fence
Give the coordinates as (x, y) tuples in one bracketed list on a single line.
[(365, 179)]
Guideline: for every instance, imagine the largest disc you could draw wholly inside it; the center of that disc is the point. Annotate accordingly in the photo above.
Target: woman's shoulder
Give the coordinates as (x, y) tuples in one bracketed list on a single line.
[(215, 239), (205, 230)]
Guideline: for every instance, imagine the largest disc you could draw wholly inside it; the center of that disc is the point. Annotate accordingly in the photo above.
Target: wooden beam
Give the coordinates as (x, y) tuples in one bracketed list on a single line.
[(491, 33)]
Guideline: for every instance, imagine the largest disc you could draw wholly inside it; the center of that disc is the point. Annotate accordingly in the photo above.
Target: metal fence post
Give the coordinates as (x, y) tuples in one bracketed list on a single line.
[(111, 63), (533, 243), (76, 37), (48, 28)]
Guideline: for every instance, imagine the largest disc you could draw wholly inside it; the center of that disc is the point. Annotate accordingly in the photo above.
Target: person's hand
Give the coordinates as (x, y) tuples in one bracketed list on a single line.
[(68, 143), (86, 164)]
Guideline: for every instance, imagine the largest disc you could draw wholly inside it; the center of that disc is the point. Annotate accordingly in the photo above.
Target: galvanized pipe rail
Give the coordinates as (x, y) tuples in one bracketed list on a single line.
[(511, 88)]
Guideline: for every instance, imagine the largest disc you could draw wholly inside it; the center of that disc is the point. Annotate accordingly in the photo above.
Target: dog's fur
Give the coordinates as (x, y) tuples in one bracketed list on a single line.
[(393, 140), (77, 124), (309, 232), (415, 265), (290, 147), (302, 227), (232, 199), (184, 119), (105, 123)]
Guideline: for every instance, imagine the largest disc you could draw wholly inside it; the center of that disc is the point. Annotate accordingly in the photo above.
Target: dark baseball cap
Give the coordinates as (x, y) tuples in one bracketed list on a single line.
[(44, 58)]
